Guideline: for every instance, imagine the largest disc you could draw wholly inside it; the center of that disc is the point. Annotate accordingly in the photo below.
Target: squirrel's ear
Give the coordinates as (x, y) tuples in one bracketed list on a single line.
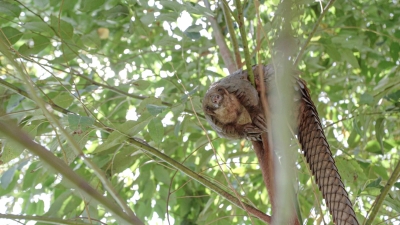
[(226, 91)]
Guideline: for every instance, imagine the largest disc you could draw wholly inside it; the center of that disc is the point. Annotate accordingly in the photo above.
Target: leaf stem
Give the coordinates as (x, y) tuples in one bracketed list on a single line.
[(310, 36), (243, 33), (381, 197), (220, 40), (229, 25)]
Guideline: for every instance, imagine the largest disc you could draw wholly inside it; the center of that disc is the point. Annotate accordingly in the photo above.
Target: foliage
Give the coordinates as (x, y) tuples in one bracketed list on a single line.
[(109, 70)]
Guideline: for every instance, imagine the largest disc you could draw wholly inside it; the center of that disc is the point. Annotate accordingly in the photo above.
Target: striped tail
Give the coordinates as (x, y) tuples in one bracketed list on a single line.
[(319, 158)]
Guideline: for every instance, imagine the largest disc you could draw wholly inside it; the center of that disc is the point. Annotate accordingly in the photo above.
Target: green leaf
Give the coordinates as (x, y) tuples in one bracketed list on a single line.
[(198, 9), (385, 65), (14, 102), (139, 28), (350, 58), (392, 203), (141, 84), (91, 40), (41, 3), (395, 51), (31, 129), (333, 53), (63, 28), (166, 41), (198, 107), (119, 11), (39, 207), (192, 35), (34, 172), (132, 128), (194, 28), (156, 130), (349, 40), (79, 123), (366, 99), (70, 154), (142, 108), (380, 171), (380, 131), (169, 17), (39, 27), (63, 100), (354, 139), (373, 147), (10, 34), (59, 202), (91, 5), (7, 177), (155, 109), (125, 158), (162, 174), (115, 138), (11, 151), (68, 53), (9, 9), (39, 44), (177, 128), (376, 183), (351, 172), (148, 18), (172, 5), (178, 109)]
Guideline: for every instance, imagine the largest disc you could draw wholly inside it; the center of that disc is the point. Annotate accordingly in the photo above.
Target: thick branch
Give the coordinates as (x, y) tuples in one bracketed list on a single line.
[(158, 154), (70, 140), (19, 137), (231, 198)]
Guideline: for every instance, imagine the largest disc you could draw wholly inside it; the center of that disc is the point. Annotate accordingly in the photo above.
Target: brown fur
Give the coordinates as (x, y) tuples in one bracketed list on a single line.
[(232, 108), (229, 118)]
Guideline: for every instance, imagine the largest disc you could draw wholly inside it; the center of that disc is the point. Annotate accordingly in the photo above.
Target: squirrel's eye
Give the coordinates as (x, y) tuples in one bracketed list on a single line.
[(219, 89)]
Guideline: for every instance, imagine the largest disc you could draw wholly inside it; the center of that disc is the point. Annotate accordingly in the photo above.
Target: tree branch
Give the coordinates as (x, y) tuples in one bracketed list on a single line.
[(231, 198), (243, 34), (381, 197), (219, 39), (143, 145), (229, 25), (19, 137), (310, 36), (70, 140)]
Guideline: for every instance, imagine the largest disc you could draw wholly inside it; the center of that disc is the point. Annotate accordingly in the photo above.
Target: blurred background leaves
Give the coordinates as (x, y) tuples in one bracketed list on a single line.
[(141, 69)]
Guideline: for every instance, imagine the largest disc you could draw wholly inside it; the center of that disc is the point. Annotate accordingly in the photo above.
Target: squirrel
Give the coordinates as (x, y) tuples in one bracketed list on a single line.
[(233, 109)]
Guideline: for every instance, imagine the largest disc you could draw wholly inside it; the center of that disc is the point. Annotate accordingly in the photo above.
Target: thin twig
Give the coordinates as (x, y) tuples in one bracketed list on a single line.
[(70, 140), (229, 25), (310, 36), (158, 154), (219, 39), (15, 133), (195, 176), (243, 33), (381, 197), (46, 219)]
